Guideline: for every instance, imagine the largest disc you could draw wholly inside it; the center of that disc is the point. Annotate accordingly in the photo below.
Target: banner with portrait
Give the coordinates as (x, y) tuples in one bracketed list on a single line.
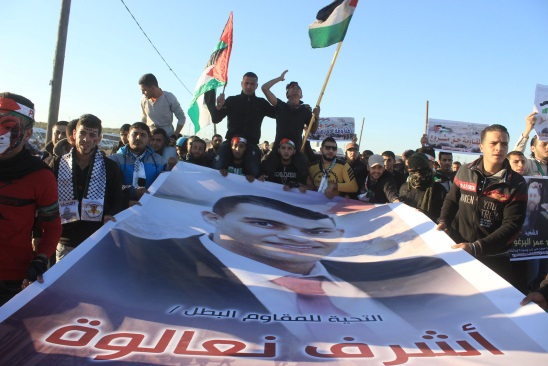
[(215, 270), (453, 136), (340, 128), (532, 242), (541, 106)]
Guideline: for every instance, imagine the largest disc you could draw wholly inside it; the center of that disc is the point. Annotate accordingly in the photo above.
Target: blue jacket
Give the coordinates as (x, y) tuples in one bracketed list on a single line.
[(154, 165)]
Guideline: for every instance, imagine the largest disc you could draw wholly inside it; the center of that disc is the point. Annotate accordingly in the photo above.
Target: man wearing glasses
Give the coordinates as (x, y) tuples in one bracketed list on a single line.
[(330, 175)]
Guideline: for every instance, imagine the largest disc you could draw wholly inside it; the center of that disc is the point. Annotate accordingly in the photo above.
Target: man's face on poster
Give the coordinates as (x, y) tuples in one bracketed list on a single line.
[(534, 195), (275, 238)]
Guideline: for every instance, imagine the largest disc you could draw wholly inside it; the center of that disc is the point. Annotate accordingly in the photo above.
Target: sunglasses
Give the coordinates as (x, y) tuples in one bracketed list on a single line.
[(332, 148)]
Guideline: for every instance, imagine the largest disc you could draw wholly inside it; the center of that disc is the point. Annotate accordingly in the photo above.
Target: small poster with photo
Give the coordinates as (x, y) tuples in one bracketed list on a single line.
[(532, 242), (340, 128), (453, 136)]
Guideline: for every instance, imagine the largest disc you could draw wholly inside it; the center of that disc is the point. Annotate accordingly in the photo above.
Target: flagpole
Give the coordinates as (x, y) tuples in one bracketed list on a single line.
[(361, 131), (321, 93), (426, 120), (215, 125)]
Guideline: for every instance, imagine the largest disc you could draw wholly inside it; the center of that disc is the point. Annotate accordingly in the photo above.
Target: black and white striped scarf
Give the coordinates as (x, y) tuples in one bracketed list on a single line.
[(138, 167), (95, 188)]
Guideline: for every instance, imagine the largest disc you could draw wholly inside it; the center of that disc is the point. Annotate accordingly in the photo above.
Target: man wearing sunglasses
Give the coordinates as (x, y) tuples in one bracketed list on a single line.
[(331, 175)]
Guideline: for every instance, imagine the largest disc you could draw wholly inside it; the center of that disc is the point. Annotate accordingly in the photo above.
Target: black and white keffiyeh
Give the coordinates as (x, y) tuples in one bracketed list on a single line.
[(95, 186), (138, 166)]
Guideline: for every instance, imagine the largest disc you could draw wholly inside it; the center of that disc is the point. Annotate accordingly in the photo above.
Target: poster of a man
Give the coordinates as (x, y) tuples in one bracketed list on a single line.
[(533, 240), (256, 280)]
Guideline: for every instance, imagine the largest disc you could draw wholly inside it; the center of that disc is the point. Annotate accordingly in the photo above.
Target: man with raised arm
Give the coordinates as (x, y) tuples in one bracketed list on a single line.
[(292, 117), (536, 165)]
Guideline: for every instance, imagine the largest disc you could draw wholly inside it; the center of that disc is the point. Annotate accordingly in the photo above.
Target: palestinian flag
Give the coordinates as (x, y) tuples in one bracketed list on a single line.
[(214, 75), (332, 23)]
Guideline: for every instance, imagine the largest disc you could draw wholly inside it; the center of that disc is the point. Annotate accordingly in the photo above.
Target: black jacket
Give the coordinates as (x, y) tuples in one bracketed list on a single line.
[(383, 190), (414, 197), (489, 210), (245, 116)]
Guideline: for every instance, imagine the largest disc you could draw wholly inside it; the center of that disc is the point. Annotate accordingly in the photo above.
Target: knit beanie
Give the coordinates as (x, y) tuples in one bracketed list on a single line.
[(417, 161)]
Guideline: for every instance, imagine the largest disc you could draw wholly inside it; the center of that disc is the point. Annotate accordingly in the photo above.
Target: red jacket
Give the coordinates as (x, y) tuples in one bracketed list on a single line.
[(20, 200)]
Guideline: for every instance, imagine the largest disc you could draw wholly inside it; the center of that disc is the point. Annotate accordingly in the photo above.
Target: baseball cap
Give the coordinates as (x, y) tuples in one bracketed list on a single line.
[(375, 160), (181, 141), (352, 145)]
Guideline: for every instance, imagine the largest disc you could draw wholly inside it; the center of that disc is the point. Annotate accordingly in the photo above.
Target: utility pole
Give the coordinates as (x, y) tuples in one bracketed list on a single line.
[(58, 64)]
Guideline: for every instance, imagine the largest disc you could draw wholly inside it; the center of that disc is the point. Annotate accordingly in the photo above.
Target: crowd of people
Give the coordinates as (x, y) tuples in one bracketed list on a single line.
[(52, 202)]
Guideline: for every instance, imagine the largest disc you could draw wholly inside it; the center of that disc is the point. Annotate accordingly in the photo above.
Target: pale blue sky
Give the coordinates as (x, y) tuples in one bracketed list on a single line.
[(474, 60)]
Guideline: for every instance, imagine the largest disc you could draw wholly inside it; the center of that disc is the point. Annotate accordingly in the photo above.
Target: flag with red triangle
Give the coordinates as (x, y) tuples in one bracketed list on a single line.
[(214, 75)]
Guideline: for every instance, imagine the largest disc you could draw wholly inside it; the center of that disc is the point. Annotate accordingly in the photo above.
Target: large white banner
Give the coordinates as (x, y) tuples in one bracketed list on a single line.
[(453, 136), (214, 270)]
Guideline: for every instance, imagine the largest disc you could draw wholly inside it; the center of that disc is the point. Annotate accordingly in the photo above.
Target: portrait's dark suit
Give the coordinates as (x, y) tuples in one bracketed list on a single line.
[(183, 270), (126, 277)]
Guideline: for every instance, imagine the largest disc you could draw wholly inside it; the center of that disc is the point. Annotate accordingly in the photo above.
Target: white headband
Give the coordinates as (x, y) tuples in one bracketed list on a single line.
[(12, 105)]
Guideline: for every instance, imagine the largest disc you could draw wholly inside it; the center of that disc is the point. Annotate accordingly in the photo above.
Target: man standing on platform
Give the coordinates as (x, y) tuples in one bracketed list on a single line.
[(291, 119), (245, 113), (159, 106)]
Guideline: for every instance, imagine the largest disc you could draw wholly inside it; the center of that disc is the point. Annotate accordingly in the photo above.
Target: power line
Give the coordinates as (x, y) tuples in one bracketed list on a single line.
[(158, 52)]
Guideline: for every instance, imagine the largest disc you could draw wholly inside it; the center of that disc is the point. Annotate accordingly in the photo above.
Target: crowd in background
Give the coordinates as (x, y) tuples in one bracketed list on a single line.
[(52, 200)]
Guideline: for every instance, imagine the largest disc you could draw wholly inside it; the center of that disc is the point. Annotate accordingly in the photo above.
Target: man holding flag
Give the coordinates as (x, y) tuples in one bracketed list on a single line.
[(245, 112), (214, 75)]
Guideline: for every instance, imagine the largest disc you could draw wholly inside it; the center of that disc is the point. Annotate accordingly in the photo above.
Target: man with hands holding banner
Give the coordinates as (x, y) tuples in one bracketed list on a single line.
[(485, 208), (28, 193)]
